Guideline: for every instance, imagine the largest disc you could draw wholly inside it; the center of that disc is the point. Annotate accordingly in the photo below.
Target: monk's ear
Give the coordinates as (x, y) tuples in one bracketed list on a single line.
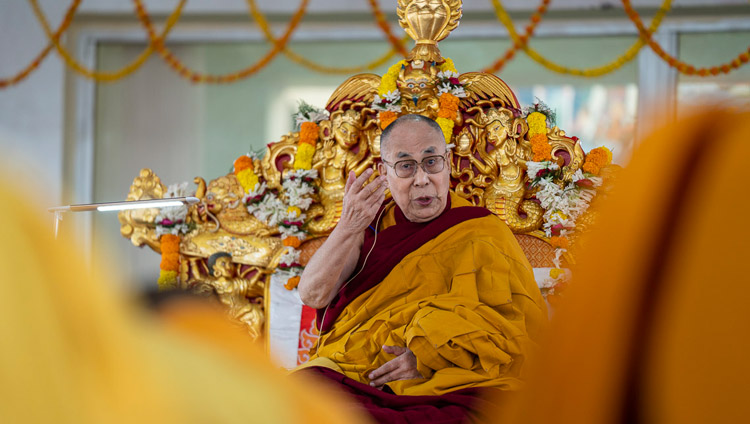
[(382, 169)]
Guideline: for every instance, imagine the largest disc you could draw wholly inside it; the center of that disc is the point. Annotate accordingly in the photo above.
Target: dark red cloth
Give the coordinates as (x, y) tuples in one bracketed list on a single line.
[(386, 407), (393, 244)]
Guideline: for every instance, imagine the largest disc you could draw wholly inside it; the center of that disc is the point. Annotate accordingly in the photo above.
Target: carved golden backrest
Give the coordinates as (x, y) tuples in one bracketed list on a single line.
[(493, 147)]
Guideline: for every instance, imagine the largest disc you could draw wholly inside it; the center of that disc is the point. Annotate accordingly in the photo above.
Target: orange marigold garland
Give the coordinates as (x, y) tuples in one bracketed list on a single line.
[(388, 99), (307, 119), (597, 159), (170, 223), (450, 89), (170, 261), (286, 208), (540, 146), (245, 173), (386, 118)]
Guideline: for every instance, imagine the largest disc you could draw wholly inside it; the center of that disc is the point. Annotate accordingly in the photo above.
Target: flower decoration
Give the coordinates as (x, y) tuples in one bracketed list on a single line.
[(563, 201), (540, 146), (170, 261), (448, 82), (553, 286), (307, 118), (597, 159), (447, 113), (285, 210), (244, 172), (388, 99), (386, 118), (173, 219)]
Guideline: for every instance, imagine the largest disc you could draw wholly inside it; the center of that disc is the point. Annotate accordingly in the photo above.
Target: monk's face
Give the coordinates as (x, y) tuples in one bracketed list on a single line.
[(423, 196)]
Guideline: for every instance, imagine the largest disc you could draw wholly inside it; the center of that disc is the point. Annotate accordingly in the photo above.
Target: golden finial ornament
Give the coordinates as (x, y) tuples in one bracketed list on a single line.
[(427, 22)]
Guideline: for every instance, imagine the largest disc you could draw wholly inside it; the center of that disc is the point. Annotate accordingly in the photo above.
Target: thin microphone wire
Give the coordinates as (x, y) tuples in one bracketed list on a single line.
[(325, 311)]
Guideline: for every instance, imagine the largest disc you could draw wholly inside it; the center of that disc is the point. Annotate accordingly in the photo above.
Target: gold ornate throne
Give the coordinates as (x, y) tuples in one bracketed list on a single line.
[(510, 160)]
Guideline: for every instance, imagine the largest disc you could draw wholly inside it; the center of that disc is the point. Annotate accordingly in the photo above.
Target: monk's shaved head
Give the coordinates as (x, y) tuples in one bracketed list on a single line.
[(404, 120)]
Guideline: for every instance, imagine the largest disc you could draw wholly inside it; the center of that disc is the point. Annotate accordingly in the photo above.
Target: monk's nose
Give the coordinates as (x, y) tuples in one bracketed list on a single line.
[(421, 178)]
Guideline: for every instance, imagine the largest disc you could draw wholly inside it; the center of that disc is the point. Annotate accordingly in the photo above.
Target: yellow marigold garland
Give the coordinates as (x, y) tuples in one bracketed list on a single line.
[(447, 65), (398, 45), (170, 261), (388, 80), (25, 72), (555, 273), (107, 76), (308, 138), (196, 77), (506, 20), (243, 170), (682, 67), (540, 146)]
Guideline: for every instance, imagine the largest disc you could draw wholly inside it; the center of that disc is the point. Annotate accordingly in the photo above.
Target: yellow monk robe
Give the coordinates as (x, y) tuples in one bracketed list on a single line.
[(465, 303), (654, 327), (75, 350)]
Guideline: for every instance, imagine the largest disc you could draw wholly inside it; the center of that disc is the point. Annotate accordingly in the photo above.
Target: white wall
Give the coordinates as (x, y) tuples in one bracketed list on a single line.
[(31, 113)]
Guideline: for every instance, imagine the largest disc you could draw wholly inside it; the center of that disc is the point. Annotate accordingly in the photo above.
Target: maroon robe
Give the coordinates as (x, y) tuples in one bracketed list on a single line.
[(393, 245)]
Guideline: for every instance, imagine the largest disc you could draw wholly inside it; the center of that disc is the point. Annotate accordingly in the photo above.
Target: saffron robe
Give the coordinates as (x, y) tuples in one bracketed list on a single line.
[(464, 302)]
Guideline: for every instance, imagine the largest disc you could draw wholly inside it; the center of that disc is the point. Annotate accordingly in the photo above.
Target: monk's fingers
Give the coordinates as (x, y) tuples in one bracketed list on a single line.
[(384, 369), (359, 182), (375, 190), (402, 371), (350, 181), (394, 350)]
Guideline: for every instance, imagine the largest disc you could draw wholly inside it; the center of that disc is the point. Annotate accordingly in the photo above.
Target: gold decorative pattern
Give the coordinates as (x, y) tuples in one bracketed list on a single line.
[(427, 22), (489, 168)]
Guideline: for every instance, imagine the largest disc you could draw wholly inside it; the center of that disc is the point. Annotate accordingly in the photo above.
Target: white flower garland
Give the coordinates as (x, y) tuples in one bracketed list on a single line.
[(390, 102), (172, 219), (448, 83), (308, 113), (562, 205), (288, 215)]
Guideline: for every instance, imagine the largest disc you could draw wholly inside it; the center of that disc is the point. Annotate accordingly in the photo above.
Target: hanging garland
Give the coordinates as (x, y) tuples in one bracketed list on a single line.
[(171, 223), (537, 117), (386, 27), (197, 77), (522, 40), (300, 60), (170, 261), (25, 72), (279, 45), (626, 57), (99, 75), (683, 67), (286, 210)]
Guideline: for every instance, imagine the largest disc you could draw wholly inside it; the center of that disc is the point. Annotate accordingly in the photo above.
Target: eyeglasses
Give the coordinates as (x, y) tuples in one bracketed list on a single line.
[(408, 168)]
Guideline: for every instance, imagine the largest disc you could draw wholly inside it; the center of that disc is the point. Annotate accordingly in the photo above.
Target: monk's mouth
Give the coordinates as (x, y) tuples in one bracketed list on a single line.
[(424, 200)]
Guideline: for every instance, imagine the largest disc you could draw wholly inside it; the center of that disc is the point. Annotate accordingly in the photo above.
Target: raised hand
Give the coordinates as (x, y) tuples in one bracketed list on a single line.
[(404, 367), (361, 201)]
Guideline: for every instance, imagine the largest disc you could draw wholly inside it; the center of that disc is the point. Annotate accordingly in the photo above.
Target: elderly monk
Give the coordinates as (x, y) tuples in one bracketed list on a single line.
[(426, 295)]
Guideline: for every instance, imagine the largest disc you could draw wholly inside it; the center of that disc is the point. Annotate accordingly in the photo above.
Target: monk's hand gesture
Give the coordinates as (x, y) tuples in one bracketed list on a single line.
[(404, 367), (361, 202)]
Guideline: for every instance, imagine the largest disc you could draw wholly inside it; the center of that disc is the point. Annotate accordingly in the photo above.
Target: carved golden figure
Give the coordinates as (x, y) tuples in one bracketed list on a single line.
[(340, 135), (505, 166), (242, 297)]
